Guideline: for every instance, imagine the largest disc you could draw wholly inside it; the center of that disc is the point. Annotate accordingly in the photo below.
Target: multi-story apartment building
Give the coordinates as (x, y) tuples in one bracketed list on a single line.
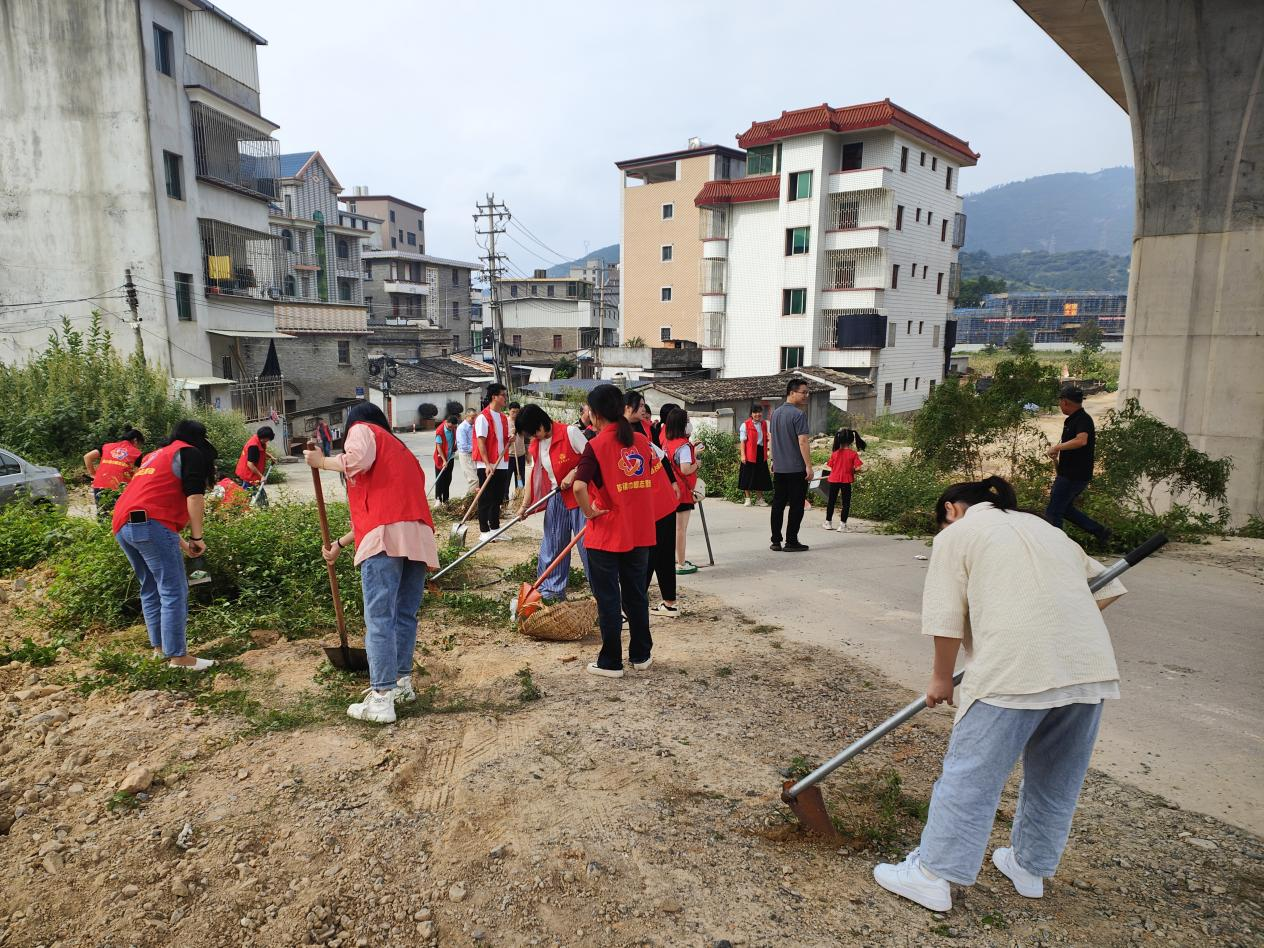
[(162, 164), (546, 318), (1049, 319), (661, 267), (837, 249)]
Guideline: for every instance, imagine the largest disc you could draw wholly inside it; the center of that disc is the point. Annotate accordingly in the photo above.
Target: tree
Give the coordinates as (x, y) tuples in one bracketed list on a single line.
[(427, 411), (975, 288), (1090, 336), (565, 368), (1020, 343)]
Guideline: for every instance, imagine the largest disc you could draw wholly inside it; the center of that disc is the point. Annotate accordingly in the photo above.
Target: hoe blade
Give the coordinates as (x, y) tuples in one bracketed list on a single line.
[(809, 807)]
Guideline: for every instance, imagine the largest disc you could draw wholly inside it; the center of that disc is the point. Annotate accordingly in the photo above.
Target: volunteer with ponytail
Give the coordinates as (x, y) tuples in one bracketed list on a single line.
[(614, 486), (112, 465), (684, 460), (394, 540), (844, 462), (1014, 590), (555, 449), (167, 494)]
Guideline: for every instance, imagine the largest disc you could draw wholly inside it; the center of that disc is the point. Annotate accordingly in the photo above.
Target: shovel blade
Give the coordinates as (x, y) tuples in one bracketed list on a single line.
[(347, 658), (528, 602), (809, 807)]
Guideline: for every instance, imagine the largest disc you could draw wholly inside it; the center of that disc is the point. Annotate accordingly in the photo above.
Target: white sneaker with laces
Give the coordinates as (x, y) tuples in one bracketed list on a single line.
[(377, 706), (641, 666), (484, 537), (595, 669), (1025, 884), (827, 525), (404, 690), (913, 881), (842, 527), (748, 502), (662, 609)]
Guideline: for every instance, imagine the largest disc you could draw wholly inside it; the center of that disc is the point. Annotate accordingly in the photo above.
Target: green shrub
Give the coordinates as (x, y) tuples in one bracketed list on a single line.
[(900, 494), (888, 427), (527, 571), (30, 532), (719, 462), (1254, 528), (93, 584)]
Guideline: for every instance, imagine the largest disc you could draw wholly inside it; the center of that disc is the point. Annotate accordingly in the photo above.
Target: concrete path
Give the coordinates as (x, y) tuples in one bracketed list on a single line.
[(1190, 724)]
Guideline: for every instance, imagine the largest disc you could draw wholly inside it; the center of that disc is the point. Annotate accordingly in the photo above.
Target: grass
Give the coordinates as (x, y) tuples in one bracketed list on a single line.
[(32, 653), (880, 813), (527, 570), (993, 920), (120, 800), (475, 608), (528, 690), (798, 768), (137, 671), (724, 671)]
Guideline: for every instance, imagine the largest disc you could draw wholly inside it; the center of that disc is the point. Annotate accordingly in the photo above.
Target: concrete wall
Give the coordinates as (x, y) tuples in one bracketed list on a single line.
[(404, 407), (77, 201), (1193, 343), (313, 374)]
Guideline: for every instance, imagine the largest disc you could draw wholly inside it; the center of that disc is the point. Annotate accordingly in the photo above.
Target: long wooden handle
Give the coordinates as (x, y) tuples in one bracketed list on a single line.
[(329, 567), (482, 487), (566, 551)]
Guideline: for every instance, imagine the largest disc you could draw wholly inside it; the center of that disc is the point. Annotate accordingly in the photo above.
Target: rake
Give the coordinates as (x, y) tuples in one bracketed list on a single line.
[(804, 796)]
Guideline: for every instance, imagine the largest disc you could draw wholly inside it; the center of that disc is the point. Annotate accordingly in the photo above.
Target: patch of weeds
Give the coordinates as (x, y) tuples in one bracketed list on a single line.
[(993, 920), (475, 608), (724, 671), (527, 688), (448, 642), (881, 813), (121, 801), (763, 628), (775, 644), (798, 768), (307, 711), (528, 570), (32, 653), (941, 930)]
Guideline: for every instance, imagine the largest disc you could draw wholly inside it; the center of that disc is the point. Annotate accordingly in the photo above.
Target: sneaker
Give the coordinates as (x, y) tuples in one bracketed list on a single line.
[(595, 669), (377, 706), (404, 690), (827, 525), (199, 665), (796, 547), (748, 502), (842, 527), (484, 537), (1025, 884), (915, 882), (641, 666), (662, 609), (775, 546), (685, 568)]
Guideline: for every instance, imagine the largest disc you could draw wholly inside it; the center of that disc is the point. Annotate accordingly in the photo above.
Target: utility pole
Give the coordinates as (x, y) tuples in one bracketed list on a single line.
[(494, 217), (601, 316), (133, 303)]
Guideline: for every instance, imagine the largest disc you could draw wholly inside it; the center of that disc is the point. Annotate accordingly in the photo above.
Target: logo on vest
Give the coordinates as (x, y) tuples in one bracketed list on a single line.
[(119, 454), (631, 462)]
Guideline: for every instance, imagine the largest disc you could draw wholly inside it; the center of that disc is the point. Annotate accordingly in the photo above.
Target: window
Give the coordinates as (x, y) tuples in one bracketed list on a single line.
[(289, 205), (791, 357), (934, 164), (891, 334), (943, 230), (517, 340), (664, 333), (931, 386), (905, 385), (925, 270), (307, 287), (800, 186), (923, 159), (412, 239), (899, 217), (513, 290), (921, 323), (392, 243), (664, 294), (344, 291), (392, 217), (886, 395), (401, 233), (184, 296), (794, 302), (456, 342), (929, 217), (934, 341), (796, 240), (343, 248), (908, 330), (914, 273), (456, 277), (368, 270), (904, 159), (535, 289), (939, 284), (287, 238), (766, 159), (665, 253), (853, 156), (173, 170), (226, 367), (918, 216), (572, 289), (895, 276), (9, 466), (344, 351), (456, 309), (669, 211), (557, 340), (291, 288), (368, 304), (917, 382), (163, 55), (948, 180), (550, 290)]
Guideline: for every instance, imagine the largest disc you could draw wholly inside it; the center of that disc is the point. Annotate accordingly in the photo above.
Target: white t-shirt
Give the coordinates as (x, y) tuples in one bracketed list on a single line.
[(578, 444), (759, 432), (684, 455), (481, 430)]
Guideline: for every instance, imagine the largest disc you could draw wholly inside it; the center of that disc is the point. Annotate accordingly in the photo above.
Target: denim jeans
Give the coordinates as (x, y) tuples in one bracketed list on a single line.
[(154, 552), (1055, 745), (393, 587), (618, 585), (560, 525), (1062, 504)]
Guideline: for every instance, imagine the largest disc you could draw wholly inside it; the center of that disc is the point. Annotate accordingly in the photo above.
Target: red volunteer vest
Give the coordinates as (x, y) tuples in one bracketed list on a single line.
[(234, 496), (243, 472), (156, 490), (118, 462), (393, 490), (665, 501), (626, 492), (563, 459), (749, 447), (494, 421), (686, 481), (441, 446)]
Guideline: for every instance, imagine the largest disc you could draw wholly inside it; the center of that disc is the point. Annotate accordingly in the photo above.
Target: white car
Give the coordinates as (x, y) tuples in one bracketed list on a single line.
[(22, 479)]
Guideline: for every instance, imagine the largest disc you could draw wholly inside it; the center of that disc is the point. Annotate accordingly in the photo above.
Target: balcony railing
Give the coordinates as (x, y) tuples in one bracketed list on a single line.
[(713, 330), (237, 261), (234, 154), (713, 223), (954, 280), (958, 231), (860, 269), (714, 276), (854, 209)]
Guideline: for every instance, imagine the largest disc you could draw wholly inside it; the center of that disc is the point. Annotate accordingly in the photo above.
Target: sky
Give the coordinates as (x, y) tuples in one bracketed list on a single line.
[(441, 104)]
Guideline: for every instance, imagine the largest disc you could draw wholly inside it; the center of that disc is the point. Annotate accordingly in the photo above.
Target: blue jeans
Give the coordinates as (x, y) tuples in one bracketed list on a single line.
[(154, 552), (618, 585), (393, 587), (560, 525), (1055, 745), (1062, 504)]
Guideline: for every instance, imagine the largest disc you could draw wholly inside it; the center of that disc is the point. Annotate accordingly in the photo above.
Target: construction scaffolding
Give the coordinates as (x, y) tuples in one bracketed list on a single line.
[(1046, 317)]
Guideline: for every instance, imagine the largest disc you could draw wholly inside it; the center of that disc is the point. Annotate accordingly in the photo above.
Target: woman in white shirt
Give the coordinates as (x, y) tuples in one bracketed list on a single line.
[(1013, 590)]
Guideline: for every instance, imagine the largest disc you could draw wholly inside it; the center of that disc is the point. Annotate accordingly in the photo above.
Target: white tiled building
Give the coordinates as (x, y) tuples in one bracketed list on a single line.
[(838, 249)]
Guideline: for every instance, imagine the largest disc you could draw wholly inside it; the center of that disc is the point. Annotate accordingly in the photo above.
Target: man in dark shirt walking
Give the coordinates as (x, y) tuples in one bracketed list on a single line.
[(1074, 454), (791, 459)]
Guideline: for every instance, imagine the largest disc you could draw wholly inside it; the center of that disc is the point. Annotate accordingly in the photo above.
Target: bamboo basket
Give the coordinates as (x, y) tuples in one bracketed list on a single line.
[(567, 621)]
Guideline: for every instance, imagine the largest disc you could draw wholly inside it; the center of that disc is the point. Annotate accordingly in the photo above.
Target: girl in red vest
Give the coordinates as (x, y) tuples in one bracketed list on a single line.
[(753, 476), (614, 487), (667, 498), (394, 544), (684, 460), (843, 465), (112, 465), (555, 449), (166, 495)]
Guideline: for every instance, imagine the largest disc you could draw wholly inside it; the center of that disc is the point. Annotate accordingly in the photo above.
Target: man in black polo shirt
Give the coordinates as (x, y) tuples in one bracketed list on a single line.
[(1074, 454)]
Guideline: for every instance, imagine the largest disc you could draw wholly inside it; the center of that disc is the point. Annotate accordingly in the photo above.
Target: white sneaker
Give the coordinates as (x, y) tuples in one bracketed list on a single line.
[(911, 880), (377, 706), (1025, 884), (484, 537), (641, 666), (827, 525), (748, 502), (662, 609), (404, 690), (199, 665), (842, 527), (594, 669)]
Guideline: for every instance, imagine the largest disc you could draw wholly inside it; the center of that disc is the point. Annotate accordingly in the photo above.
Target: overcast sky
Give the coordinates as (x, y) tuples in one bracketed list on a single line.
[(440, 103)]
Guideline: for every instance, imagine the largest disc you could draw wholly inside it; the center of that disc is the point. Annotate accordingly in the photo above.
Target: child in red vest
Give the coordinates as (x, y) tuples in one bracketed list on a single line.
[(394, 542), (682, 456), (843, 465)]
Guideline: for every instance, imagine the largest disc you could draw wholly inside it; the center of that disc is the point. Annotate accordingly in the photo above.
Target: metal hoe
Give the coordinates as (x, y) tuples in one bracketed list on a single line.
[(804, 796), (482, 543), (459, 529), (702, 514)]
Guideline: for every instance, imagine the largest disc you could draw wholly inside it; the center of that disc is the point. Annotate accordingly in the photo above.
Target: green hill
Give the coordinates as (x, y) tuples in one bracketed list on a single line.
[(1037, 270)]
